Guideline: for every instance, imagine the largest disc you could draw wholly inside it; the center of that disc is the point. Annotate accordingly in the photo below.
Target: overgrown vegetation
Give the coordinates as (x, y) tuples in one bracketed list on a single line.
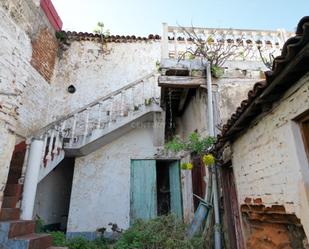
[(59, 239), (194, 143), (165, 232)]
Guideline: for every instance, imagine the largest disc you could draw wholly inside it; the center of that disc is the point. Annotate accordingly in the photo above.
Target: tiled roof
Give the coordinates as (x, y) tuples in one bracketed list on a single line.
[(288, 68), (84, 36)]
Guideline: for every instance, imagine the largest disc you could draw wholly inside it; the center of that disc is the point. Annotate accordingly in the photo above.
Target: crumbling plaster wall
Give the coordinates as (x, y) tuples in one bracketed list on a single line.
[(269, 160), (101, 183), (96, 71), (24, 92), (229, 91)]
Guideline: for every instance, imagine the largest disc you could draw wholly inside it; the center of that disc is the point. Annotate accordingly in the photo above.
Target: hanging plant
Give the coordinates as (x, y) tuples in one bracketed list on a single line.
[(208, 159), (194, 144), (217, 71), (186, 166)]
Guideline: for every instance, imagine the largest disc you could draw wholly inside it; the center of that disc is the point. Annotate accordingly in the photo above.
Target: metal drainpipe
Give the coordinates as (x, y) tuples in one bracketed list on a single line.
[(213, 168)]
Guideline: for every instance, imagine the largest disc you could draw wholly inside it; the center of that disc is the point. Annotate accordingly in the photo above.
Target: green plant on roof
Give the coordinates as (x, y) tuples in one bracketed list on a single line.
[(193, 143)]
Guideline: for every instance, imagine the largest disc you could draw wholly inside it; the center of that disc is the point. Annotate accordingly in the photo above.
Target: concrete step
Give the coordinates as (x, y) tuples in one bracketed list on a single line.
[(9, 214), (20, 228), (13, 190), (36, 241), (10, 201)]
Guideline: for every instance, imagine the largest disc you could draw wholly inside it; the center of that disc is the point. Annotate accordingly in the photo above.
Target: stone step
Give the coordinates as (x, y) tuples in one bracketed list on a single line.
[(9, 214), (36, 241), (20, 228), (10, 201), (13, 178), (13, 190)]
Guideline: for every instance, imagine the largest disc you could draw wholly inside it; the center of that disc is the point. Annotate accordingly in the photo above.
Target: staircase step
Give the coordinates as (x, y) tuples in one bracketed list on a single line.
[(37, 241), (13, 190), (21, 227), (9, 214), (10, 201), (13, 178)]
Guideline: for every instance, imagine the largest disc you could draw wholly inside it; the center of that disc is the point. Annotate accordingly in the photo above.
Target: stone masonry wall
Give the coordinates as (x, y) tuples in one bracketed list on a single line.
[(269, 159)]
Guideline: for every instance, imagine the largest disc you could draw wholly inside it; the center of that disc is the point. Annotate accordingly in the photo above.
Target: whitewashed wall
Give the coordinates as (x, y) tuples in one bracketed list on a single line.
[(269, 160), (101, 183), (26, 109), (96, 74), (239, 77)]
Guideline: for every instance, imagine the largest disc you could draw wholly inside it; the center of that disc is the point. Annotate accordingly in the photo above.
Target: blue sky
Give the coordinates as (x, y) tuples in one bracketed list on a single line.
[(143, 17)]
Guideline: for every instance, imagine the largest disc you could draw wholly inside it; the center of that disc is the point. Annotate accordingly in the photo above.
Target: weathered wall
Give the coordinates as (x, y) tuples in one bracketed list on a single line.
[(53, 194), (24, 92), (7, 143), (269, 160), (231, 88), (101, 183), (95, 73)]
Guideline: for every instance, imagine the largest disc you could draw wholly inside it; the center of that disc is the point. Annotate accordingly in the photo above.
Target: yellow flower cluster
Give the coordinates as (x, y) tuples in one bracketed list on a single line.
[(186, 166), (208, 159)]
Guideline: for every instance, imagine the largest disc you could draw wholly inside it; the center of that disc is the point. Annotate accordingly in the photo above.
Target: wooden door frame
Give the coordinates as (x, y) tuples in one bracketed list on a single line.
[(231, 207)]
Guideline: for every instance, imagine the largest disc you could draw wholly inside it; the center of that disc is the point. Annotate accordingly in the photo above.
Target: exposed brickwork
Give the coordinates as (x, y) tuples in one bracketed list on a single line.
[(271, 227), (44, 52)]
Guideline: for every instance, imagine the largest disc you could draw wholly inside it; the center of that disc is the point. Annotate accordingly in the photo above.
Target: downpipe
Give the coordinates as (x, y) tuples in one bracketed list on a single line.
[(212, 182), (217, 227)]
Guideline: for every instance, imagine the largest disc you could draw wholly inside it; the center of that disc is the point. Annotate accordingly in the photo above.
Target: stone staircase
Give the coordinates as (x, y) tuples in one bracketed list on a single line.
[(76, 134), (100, 122), (16, 233)]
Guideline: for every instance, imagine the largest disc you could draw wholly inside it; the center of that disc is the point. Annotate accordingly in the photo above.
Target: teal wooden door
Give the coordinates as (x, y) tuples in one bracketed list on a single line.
[(143, 190), (175, 189)]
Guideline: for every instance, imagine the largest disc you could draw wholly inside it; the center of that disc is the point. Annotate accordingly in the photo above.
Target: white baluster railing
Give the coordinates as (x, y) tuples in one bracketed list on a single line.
[(175, 40), (75, 127)]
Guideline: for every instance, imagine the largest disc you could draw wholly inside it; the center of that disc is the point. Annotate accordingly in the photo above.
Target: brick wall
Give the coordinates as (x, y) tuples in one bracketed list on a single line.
[(269, 160), (44, 52)]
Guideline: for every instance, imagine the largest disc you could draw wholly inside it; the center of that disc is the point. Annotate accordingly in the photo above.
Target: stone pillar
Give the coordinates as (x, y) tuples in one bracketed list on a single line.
[(31, 179), (7, 144)]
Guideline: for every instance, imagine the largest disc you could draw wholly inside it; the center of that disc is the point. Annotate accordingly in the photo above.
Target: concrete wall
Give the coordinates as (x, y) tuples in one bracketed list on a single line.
[(269, 160), (53, 193), (101, 183)]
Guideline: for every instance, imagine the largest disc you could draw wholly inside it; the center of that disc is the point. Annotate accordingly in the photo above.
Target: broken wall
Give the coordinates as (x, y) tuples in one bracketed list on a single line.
[(270, 164)]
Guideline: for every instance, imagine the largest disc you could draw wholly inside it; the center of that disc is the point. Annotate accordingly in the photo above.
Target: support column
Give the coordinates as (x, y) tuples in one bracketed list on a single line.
[(31, 179)]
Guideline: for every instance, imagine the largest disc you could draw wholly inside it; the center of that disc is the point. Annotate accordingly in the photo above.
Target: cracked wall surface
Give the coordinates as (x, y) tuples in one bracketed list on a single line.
[(269, 158)]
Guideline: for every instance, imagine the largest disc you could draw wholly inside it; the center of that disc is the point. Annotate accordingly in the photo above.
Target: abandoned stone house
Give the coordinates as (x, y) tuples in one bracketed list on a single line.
[(264, 152), (83, 122)]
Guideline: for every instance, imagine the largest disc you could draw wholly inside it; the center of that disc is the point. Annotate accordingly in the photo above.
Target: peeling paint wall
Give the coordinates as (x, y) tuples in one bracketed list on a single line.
[(101, 182), (24, 94), (97, 71), (7, 143), (232, 88), (269, 160)]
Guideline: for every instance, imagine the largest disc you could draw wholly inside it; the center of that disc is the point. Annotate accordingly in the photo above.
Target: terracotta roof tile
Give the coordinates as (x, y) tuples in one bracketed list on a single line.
[(270, 90), (85, 36)]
